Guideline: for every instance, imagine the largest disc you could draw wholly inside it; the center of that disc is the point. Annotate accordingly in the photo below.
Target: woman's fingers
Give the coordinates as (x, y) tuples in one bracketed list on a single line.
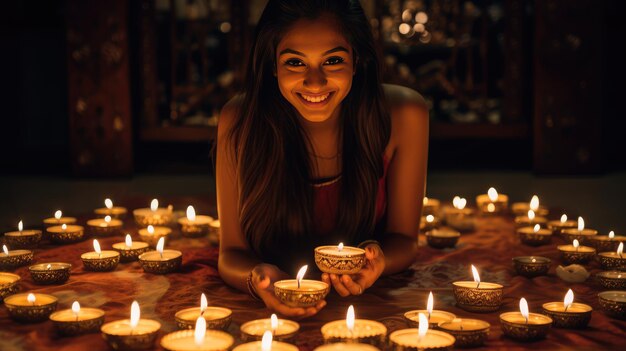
[(338, 285), (353, 287)]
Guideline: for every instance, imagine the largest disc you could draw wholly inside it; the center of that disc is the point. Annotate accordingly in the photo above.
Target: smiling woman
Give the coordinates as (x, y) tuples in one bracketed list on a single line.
[(315, 151)]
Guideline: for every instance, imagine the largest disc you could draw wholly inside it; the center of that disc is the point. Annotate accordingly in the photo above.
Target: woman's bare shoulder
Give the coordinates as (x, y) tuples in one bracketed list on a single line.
[(408, 113), (398, 95)]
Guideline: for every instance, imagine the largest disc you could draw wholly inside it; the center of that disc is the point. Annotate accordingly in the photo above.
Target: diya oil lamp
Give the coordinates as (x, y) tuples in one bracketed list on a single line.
[(355, 330), (161, 261), (434, 317), (339, 259), (430, 206), (613, 303), (492, 203), (522, 208), (215, 317), (50, 273), (194, 226), (429, 222), (459, 217), (104, 226), (10, 260), (154, 215), (281, 329), (525, 326), (614, 280), (477, 296), (580, 233), (116, 212), (130, 250), (563, 223), (529, 220), (197, 339), (23, 239), (344, 346), (58, 219), (30, 307), (8, 284), (421, 338), (151, 234), (535, 235), (77, 320), (576, 253), (266, 344), (300, 292), (100, 261), (606, 243), (467, 332), (613, 260), (568, 314), (65, 234), (531, 266), (131, 334), (442, 238)]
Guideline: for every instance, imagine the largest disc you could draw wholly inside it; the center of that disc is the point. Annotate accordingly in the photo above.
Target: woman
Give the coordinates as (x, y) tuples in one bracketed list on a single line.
[(316, 151)]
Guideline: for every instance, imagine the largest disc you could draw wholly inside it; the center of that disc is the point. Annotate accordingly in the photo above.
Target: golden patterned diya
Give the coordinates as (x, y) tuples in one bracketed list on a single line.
[(530, 220), (130, 250), (161, 261), (300, 292), (613, 303), (58, 219), (342, 346), (66, 234), (266, 344), (477, 296), (77, 320), (613, 260), (116, 212), (434, 317), (22, 239), (29, 307), (282, 329), (442, 238), (563, 223), (531, 266), (355, 330), (152, 234), (10, 260), (522, 208), (467, 332), (192, 340), (534, 236), (339, 259), (459, 217), (8, 284), (492, 203), (525, 326), (100, 261), (154, 215), (576, 253), (614, 280), (215, 317), (420, 338), (50, 273), (131, 334), (580, 233), (568, 314), (606, 243), (106, 226), (194, 226)]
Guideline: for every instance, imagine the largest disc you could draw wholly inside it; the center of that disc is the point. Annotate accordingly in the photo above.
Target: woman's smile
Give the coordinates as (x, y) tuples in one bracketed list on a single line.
[(315, 100)]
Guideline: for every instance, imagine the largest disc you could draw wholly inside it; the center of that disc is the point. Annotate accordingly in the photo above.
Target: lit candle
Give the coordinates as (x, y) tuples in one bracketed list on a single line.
[(153, 215), (459, 217), (354, 330), (266, 344), (152, 234), (568, 314), (130, 250), (613, 260), (521, 208), (530, 219), (100, 261), (215, 317), (429, 222), (576, 253), (30, 307), (104, 226), (580, 233), (282, 329), (10, 260), (535, 235), (50, 273), (434, 316), (110, 210), (523, 325), (339, 259), (492, 202), (65, 234), (197, 339), (476, 296), (77, 320), (161, 261), (194, 225), (133, 333), (606, 243), (300, 292), (421, 338), (22, 239), (430, 206), (467, 332), (58, 219), (8, 284)]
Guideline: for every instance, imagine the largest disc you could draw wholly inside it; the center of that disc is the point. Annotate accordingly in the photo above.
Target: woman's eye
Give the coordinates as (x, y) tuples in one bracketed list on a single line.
[(294, 63), (334, 60)]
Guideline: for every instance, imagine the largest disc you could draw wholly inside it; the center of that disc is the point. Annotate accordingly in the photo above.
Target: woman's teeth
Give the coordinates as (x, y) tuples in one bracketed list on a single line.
[(315, 98)]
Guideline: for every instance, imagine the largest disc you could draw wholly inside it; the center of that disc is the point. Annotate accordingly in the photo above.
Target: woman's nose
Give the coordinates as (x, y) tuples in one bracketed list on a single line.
[(314, 78)]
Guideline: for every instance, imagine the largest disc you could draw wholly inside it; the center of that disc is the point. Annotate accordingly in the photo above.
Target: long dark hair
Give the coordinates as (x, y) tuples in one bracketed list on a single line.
[(273, 166)]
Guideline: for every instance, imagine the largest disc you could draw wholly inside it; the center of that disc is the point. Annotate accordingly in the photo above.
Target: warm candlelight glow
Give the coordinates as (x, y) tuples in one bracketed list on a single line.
[(128, 241), (523, 308), (620, 249), (493, 194), (108, 203), (266, 341), (191, 213), (20, 226), (430, 218), (49, 267), (203, 303), (135, 313), (340, 247), (76, 308), (150, 229), (63, 226), (569, 299), (107, 219), (31, 298), (575, 244), (476, 276), (611, 234), (455, 201), (534, 203), (536, 228), (96, 246), (160, 245), (58, 214), (564, 218), (350, 318), (300, 274), (491, 207), (154, 205), (425, 201), (5, 250), (200, 330), (581, 224), (422, 326), (429, 304), (461, 203), (274, 322), (531, 215)]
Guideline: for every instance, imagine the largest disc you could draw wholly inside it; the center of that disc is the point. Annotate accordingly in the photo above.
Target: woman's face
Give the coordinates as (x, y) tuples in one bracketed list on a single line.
[(314, 67)]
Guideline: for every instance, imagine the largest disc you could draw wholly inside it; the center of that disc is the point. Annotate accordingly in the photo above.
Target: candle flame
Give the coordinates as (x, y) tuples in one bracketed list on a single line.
[(191, 213), (63, 226), (266, 341), (135, 313), (430, 303), (58, 214), (274, 322), (569, 299), (523, 308), (430, 218), (96, 246), (534, 203), (611, 234), (575, 243), (422, 326), (493, 194), (425, 201), (340, 247), (108, 203), (350, 318), (49, 267), (536, 228), (31, 298), (160, 245), (154, 205), (107, 219), (461, 203), (200, 331), (76, 308), (620, 249), (476, 276), (300, 274), (563, 218), (5, 250), (533, 260), (581, 224), (491, 207), (150, 229), (128, 241), (531, 215), (203, 303), (20, 226), (455, 201)]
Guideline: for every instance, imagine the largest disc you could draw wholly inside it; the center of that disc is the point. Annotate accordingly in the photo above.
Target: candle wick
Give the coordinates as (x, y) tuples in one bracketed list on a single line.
[(566, 307), (461, 326), (526, 319), (161, 253), (477, 285), (429, 316)]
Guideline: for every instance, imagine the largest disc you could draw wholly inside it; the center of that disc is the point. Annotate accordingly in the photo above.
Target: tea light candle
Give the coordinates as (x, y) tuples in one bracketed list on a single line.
[(576, 253), (22, 239), (131, 334), (153, 215), (522, 208), (152, 234), (459, 217), (612, 280), (300, 292), (199, 339), (530, 219), (8, 284), (534, 236), (266, 344), (531, 266), (50, 273), (30, 307), (613, 260), (66, 234), (477, 296), (492, 203), (467, 332), (442, 238), (343, 346), (568, 314), (606, 243), (161, 261), (110, 210), (358, 330), (430, 206), (429, 222), (77, 320), (282, 329), (100, 261), (130, 250), (339, 259), (215, 317), (194, 225), (434, 316), (613, 303), (563, 223), (581, 233), (523, 325), (15, 258), (421, 338), (58, 219), (104, 226)]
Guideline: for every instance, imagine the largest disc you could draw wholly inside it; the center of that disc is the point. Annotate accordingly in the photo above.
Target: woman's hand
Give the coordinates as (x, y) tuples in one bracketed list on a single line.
[(263, 278), (357, 283)]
